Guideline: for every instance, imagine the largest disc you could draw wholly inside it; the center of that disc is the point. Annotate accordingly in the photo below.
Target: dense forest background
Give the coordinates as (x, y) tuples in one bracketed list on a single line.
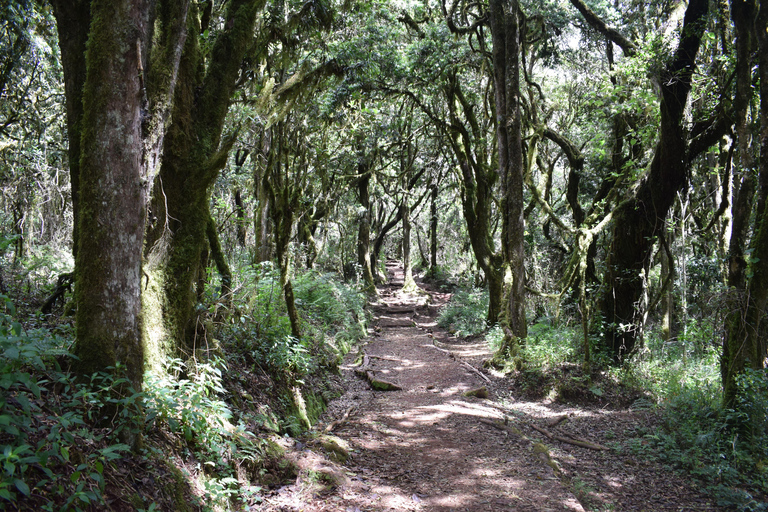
[(192, 187)]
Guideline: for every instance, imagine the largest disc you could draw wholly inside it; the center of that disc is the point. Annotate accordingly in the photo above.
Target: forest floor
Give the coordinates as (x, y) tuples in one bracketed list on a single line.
[(429, 447)]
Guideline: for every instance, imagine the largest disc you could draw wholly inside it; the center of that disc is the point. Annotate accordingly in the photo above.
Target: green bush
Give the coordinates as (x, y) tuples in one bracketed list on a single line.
[(724, 448), (547, 346), (466, 313)]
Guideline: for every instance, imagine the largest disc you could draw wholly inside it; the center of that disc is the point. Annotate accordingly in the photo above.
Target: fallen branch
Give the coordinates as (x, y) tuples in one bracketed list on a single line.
[(481, 392), (387, 358), (486, 379), (553, 422), (576, 442), (63, 284), (504, 427), (366, 373), (335, 423)]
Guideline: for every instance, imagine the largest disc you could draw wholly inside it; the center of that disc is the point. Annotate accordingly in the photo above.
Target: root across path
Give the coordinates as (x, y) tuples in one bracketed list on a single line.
[(422, 426)]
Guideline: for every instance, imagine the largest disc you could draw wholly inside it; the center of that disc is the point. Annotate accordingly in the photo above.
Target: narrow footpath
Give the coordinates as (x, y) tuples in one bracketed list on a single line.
[(430, 447)]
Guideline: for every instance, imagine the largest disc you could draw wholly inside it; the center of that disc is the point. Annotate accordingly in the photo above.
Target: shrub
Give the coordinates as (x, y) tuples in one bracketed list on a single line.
[(466, 313)]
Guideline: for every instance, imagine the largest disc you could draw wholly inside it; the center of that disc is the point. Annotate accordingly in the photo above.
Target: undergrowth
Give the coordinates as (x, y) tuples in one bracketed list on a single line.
[(466, 313), (725, 449), (61, 453)]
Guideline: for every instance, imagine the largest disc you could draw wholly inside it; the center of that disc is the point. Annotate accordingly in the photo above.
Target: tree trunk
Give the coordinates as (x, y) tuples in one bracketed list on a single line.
[(506, 69), (433, 230), (409, 285), (194, 154), (667, 302), (262, 229), (111, 196), (364, 226), (637, 222), (282, 218), (476, 195), (225, 273), (746, 345), (73, 21), (240, 211)]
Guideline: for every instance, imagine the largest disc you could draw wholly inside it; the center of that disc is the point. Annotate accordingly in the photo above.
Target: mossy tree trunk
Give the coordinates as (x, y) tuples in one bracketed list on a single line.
[(284, 194), (111, 210), (118, 96), (745, 344), (261, 229), (407, 160), (477, 184), (73, 22), (505, 31), (433, 220), (193, 156), (409, 284), (638, 220), (364, 223)]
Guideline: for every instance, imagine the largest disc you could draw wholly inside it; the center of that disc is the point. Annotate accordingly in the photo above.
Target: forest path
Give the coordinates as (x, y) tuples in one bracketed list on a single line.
[(428, 447)]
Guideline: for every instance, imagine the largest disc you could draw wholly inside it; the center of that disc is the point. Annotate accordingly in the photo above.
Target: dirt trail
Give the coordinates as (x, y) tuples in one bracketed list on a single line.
[(428, 447)]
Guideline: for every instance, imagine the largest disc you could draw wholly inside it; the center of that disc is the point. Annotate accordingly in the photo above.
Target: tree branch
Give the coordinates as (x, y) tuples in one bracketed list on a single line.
[(598, 24)]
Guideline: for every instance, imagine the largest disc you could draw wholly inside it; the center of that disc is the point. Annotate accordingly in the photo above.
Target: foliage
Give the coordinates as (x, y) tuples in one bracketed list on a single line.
[(548, 346), (332, 313), (187, 400), (724, 448), (465, 314), (50, 447), (668, 369), (700, 437)]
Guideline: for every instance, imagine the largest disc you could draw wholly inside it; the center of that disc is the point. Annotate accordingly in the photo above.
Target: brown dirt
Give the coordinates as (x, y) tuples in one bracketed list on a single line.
[(430, 448)]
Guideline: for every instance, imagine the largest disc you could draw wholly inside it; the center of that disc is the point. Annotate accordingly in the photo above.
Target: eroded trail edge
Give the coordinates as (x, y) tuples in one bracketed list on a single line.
[(430, 444)]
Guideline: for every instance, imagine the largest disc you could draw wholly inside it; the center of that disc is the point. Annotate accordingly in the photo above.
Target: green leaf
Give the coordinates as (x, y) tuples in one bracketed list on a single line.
[(22, 486)]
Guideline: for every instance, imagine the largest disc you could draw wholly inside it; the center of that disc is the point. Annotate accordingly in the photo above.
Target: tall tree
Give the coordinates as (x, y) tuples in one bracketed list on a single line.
[(194, 153), (73, 20), (745, 344), (638, 220), (129, 77), (505, 31)]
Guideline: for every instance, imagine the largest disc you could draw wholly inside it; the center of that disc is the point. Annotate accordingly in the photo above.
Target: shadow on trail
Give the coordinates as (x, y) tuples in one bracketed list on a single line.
[(425, 447), (429, 447)]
